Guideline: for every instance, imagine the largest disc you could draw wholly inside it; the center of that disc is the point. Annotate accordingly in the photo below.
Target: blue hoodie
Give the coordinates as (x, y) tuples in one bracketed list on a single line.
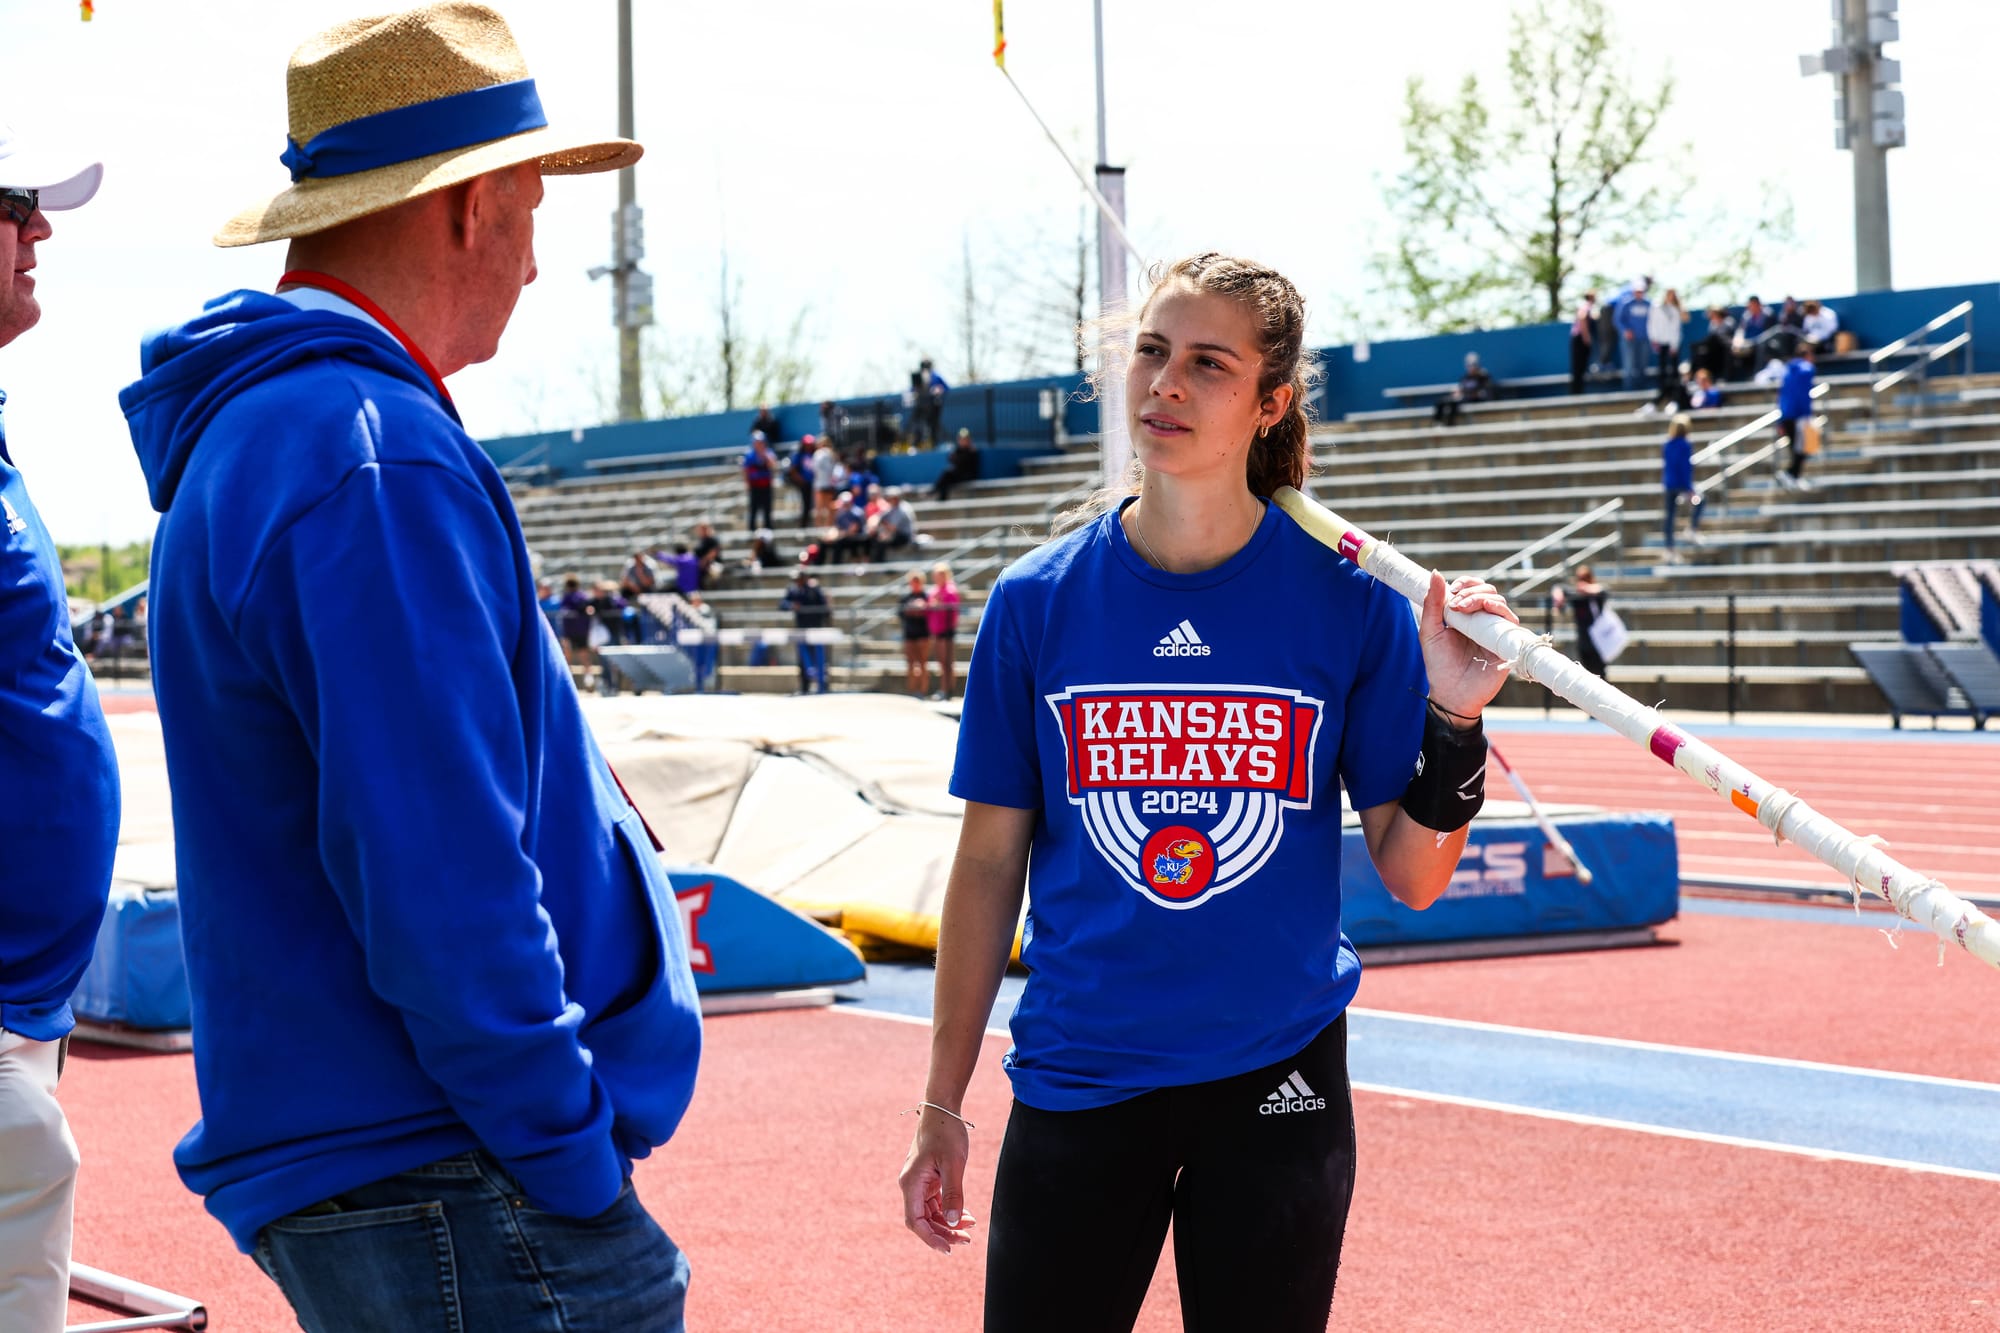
[(419, 915), (58, 780), (1795, 393)]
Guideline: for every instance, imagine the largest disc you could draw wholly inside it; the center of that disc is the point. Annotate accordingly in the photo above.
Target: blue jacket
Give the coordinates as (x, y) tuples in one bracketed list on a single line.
[(419, 916), (1795, 394), (58, 780), (1677, 464)]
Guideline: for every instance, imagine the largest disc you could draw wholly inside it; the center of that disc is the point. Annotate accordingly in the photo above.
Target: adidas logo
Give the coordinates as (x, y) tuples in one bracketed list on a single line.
[(1181, 642), (15, 523), (1292, 1095)]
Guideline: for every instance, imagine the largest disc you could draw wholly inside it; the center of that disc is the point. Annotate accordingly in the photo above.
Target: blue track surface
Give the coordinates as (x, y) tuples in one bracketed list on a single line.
[(1814, 1108)]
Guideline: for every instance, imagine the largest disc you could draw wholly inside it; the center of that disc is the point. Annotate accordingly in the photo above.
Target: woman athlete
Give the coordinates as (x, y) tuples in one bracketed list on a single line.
[(1159, 707)]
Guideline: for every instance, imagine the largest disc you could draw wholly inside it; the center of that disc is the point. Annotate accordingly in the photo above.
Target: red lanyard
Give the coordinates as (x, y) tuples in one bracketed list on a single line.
[(300, 277)]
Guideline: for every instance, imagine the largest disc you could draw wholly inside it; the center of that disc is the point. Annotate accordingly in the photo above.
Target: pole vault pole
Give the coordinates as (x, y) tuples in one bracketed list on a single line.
[(1860, 862)]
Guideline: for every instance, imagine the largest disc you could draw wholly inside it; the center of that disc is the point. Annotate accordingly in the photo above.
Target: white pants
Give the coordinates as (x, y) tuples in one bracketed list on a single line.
[(38, 1164)]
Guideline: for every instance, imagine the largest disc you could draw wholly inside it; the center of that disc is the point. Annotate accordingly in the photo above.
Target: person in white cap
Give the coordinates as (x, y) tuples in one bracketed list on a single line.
[(440, 987), (58, 806)]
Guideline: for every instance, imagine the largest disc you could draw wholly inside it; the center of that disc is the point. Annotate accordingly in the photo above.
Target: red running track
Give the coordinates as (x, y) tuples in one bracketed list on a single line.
[(1936, 801), (781, 1182)]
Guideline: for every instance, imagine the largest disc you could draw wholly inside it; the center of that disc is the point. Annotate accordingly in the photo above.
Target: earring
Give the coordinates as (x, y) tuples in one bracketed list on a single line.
[(1264, 430)]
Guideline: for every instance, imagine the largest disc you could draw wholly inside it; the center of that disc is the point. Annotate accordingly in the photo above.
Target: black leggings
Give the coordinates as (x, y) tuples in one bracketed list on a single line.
[(1257, 1196)]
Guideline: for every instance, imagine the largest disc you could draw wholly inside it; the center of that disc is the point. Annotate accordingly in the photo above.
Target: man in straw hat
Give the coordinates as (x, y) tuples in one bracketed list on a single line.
[(440, 984), (58, 806)]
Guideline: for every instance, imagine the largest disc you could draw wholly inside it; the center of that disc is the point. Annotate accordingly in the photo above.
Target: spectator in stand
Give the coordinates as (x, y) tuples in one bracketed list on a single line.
[(764, 553), (698, 615), (861, 475), (1586, 602), (1632, 313), (799, 476), (638, 578), (1703, 394), (944, 604), (961, 467), (687, 569), (577, 616), (1712, 352), (915, 613), (829, 479), (849, 532), (1818, 325), (1663, 332), (1795, 415), (1791, 326), (873, 500), (807, 602), (760, 468), (832, 424), (1582, 339), (892, 528), (927, 391), (1746, 347), (608, 628), (767, 422), (550, 601), (1474, 386), (1677, 479), (708, 556)]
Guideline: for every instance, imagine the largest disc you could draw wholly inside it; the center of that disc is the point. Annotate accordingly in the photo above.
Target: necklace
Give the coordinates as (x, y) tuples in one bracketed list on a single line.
[(1139, 526)]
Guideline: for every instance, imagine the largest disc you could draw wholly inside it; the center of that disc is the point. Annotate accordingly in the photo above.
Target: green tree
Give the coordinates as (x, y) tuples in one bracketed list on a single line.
[(96, 573), (1505, 209)]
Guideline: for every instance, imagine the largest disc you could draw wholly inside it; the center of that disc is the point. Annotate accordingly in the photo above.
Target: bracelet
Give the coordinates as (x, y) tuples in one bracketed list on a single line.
[(1463, 717), (918, 1109)]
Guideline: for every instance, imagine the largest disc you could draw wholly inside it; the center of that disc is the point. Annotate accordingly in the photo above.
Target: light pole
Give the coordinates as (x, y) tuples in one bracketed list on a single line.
[(631, 289), (1868, 115)]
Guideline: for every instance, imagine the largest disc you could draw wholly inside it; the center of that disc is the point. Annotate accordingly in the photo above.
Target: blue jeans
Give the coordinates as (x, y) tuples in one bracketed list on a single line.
[(1633, 356), (812, 666), (454, 1247)]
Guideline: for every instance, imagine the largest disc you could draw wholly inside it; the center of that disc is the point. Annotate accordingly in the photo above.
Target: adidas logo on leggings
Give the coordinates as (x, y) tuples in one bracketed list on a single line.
[(1292, 1095)]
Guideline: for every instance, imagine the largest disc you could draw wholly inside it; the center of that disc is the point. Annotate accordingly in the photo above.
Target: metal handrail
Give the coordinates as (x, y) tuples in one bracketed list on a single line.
[(1605, 510), (995, 535), (1884, 353), (1926, 357), (1567, 563), (1717, 448)]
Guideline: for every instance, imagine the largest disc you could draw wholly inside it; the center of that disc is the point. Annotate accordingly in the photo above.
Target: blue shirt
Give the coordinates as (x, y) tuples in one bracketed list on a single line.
[(1181, 737), (58, 780), (1795, 393), (419, 916), (1630, 311), (1677, 463)]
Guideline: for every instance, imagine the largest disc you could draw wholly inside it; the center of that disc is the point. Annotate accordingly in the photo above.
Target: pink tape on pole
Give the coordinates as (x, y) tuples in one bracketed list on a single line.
[(1351, 543), (1666, 742)]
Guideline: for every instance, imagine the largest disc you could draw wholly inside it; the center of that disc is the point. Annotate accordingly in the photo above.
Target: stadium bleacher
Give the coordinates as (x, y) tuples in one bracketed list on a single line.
[(1809, 572)]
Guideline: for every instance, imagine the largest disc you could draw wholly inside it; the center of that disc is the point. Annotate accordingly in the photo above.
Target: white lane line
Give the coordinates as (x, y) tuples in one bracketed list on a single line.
[(1698, 1136), (1703, 1052), (1598, 1121)]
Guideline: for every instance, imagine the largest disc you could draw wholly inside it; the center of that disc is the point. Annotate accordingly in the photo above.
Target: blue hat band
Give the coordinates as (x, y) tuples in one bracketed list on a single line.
[(406, 133)]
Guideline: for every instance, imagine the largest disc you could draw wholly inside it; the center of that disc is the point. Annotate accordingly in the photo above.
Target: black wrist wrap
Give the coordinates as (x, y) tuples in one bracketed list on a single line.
[(1450, 785)]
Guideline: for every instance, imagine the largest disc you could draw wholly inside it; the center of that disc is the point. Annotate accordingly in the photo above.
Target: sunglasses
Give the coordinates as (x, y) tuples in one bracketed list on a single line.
[(19, 205)]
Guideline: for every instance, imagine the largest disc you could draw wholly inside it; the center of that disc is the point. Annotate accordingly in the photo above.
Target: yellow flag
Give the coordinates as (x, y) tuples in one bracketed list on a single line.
[(999, 35)]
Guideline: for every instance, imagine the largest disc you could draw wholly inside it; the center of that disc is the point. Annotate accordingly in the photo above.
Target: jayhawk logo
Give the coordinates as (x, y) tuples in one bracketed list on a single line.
[(1184, 791)]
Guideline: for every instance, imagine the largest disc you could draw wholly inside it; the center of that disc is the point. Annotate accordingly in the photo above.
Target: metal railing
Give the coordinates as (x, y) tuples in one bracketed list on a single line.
[(1926, 356), (1716, 449), (1611, 509), (859, 627)]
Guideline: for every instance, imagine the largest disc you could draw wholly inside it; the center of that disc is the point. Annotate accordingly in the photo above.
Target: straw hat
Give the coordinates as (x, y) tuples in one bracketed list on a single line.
[(444, 83)]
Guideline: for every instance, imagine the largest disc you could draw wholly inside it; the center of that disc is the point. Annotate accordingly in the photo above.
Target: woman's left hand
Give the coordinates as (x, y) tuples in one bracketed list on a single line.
[(1464, 677)]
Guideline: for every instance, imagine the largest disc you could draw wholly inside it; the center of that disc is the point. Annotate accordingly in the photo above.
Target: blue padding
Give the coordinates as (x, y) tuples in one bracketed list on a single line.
[(1918, 627), (740, 940), (1502, 887), (137, 976), (1989, 618)]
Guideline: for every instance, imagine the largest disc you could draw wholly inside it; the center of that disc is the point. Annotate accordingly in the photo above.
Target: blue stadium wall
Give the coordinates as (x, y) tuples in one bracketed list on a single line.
[(1007, 414)]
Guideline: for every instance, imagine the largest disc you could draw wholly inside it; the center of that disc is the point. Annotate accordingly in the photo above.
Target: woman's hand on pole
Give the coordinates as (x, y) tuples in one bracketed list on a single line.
[(1464, 677), (933, 1182)]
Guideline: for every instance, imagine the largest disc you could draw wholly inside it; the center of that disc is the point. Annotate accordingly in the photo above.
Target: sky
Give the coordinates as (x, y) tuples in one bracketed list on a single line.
[(849, 156)]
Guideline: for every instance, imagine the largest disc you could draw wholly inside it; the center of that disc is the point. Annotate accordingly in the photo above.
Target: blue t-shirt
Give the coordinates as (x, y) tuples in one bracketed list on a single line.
[(1181, 736), (1677, 463)]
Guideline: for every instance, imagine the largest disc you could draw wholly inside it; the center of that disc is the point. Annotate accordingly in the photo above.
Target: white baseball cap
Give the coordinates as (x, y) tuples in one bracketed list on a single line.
[(64, 181)]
